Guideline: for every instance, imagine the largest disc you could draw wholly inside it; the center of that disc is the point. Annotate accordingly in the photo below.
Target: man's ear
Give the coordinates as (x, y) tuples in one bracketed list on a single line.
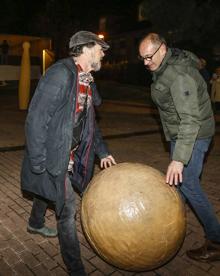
[(85, 50), (163, 49)]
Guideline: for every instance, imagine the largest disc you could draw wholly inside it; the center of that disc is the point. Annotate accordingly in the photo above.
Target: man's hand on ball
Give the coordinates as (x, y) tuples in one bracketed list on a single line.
[(107, 162), (174, 173)]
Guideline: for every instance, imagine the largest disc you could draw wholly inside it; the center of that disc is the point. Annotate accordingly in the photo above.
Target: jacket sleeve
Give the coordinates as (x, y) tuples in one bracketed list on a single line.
[(101, 149), (184, 92), (165, 130), (48, 97)]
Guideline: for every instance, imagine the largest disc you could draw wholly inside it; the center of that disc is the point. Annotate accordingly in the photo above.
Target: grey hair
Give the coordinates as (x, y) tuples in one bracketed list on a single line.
[(77, 50)]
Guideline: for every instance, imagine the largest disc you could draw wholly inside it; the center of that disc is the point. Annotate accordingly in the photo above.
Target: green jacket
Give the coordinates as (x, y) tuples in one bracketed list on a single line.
[(180, 93)]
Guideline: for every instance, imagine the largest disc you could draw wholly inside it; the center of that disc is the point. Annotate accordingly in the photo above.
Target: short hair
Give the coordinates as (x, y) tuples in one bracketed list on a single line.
[(155, 39), (76, 51)]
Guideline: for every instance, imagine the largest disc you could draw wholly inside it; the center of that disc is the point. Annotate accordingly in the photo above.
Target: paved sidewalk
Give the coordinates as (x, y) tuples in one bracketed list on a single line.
[(133, 135)]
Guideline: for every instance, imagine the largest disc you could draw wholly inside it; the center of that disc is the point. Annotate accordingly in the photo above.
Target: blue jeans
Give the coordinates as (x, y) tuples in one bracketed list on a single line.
[(66, 226), (191, 190)]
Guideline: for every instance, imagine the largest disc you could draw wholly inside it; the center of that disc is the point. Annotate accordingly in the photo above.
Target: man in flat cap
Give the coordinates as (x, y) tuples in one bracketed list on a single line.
[(62, 138)]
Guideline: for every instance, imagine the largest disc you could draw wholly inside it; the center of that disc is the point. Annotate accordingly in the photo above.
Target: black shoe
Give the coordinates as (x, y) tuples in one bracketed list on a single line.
[(209, 252)]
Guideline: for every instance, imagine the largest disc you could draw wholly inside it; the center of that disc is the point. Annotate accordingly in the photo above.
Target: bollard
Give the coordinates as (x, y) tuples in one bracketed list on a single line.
[(25, 78)]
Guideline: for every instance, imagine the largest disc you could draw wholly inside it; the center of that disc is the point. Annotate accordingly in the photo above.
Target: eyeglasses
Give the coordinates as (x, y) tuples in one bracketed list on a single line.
[(149, 58)]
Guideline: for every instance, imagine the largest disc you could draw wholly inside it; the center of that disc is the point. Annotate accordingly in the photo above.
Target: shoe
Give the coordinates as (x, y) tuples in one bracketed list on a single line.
[(209, 252), (44, 231)]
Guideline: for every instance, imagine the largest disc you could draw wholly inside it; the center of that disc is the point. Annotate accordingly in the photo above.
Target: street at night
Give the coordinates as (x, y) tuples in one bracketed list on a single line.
[(133, 134), (110, 138)]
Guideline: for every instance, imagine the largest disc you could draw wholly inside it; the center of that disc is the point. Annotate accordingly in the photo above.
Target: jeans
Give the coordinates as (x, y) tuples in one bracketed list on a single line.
[(38, 211), (191, 190), (66, 226)]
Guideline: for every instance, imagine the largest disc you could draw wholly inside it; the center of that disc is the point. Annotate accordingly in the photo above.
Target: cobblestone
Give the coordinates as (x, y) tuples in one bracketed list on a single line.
[(24, 254)]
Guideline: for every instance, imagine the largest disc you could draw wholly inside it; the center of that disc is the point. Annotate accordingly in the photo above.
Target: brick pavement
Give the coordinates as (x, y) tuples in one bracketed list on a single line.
[(24, 254)]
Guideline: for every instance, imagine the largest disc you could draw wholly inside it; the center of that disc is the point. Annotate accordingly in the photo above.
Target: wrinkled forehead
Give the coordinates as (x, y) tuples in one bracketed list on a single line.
[(146, 46), (95, 48)]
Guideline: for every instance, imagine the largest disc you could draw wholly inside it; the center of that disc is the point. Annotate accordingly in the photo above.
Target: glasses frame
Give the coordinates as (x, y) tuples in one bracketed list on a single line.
[(149, 58)]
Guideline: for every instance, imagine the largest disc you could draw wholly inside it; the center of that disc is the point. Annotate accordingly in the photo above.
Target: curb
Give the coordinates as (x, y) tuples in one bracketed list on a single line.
[(12, 148)]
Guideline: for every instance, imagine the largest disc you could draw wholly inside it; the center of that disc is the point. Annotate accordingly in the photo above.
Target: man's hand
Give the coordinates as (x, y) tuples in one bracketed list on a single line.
[(107, 162), (174, 173)]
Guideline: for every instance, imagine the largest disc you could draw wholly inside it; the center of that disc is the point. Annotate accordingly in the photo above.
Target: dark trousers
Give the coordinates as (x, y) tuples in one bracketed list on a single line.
[(192, 191), (66, 225)]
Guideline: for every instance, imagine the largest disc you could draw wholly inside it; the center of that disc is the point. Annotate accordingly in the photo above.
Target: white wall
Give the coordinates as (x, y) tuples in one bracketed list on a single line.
[(12, 72)]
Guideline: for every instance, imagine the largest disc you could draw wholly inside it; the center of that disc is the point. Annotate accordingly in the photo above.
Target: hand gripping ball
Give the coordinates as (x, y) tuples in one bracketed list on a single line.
[(132, 218)]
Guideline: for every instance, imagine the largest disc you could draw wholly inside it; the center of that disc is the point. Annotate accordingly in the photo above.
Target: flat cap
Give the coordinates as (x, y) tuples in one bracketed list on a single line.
[(84, 37)]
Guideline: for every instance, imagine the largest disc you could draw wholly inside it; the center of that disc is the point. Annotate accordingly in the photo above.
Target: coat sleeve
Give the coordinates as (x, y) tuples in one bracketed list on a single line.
[(48, 96), (165, 129), (184, 92), (101, 149)]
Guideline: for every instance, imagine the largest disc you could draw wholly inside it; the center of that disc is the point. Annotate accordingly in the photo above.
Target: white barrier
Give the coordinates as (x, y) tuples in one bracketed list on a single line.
[(12, 72)]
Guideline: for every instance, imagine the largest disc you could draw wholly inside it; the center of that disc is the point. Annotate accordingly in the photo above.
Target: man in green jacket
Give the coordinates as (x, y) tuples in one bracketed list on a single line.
[(180, 93)]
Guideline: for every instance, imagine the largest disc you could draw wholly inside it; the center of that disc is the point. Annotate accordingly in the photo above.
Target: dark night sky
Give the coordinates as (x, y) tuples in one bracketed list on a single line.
[(21, 17), (51, 17), (59, 19)]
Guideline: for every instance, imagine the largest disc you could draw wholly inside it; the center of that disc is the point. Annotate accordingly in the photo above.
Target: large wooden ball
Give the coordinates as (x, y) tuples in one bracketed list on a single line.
[(132, 218)]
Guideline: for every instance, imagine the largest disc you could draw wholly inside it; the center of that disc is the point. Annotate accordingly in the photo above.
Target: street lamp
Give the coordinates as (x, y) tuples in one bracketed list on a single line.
[(101, 36)]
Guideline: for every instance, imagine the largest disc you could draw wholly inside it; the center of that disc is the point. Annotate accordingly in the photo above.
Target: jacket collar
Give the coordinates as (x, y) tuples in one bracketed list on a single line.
[(163, 64), (70, 64)]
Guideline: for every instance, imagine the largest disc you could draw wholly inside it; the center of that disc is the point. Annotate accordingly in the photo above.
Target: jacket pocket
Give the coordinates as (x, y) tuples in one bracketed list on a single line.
[(161, 96), (54, 161)]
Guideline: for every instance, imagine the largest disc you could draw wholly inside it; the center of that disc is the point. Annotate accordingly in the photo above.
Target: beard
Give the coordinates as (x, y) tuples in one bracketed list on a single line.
[(96, 66)]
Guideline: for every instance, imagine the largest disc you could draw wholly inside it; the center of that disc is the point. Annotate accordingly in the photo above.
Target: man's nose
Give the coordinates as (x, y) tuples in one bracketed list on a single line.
[(146, 62)]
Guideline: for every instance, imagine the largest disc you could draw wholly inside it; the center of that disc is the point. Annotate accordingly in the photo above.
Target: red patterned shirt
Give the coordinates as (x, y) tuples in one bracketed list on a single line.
[(84, 93)]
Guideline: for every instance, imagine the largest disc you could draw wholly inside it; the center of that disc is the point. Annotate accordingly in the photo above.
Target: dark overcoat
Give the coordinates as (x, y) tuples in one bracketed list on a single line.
[(49, 131)]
